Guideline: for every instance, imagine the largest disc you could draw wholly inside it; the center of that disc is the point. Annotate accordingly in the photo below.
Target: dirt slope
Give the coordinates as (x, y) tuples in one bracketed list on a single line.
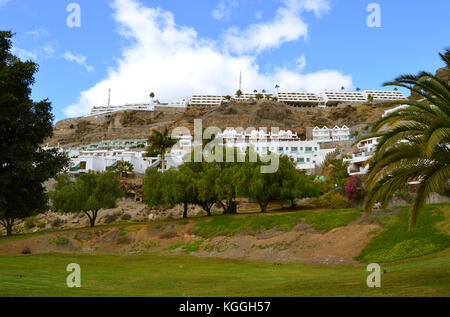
[(301, 244), (139, 124)]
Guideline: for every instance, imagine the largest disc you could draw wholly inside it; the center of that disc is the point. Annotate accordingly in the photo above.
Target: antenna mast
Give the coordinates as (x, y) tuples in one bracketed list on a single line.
[(240, 80), (109, 97)]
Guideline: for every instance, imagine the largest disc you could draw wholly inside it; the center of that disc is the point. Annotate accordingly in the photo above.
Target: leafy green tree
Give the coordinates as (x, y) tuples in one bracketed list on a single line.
[(298, 185), (152, 95), (178, 187), (124, 168), (88, 194), (238, 93), (413, 142), (160, 142), (152, 187), (337, 175), (24, 125), (264, 187)]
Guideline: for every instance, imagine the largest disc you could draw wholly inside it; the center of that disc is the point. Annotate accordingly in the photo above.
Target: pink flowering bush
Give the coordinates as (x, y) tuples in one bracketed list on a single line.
[(354, 189)]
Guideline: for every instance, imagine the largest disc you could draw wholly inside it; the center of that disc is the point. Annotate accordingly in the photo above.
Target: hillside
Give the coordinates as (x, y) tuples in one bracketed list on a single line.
[(139, 124), (319, 237)]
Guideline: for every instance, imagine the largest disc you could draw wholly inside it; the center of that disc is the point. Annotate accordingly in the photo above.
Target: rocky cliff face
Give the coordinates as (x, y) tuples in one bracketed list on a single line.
[(139, 124)]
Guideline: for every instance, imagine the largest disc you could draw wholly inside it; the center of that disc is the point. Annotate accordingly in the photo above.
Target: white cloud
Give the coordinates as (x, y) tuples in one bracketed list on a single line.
[(286, 26), (301, 63), (223, 10), (43, 52), (36, 34), (79, 59), (173, 61)]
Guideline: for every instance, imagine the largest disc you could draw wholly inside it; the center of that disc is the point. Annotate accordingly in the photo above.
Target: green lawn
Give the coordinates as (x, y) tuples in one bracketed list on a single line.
[(396, 242), (155, 275)]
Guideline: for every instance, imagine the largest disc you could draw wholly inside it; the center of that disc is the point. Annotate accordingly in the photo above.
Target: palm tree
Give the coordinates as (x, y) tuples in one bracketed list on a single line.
[(358, 89), (124, 168), (152, 95), (238, 93), (160, 142), (255, 91), (413, 142), (342, 88), (277, 87)]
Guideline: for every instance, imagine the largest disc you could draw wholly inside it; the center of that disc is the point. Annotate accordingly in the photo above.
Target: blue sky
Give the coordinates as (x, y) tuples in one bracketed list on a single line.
[(177, 47)]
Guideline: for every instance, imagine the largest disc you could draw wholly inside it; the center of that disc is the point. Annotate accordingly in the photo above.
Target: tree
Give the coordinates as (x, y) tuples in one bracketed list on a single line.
[(298, 185), (227, 97), (152, 95), (277, 87), (88, 194), (370, 98), (124, 168), (337, 175), (160, 142), (358, 89), (342, 88), (264, 187), (24, 125), (239, 93), (413, 142), (259, 96), (152, 187), (178, 187), (255, 91)]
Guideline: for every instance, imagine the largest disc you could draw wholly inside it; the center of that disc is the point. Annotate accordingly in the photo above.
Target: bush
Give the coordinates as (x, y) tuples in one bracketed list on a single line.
[(110, 218), (26, 251), (354, 189), (338, 201), (330, 200), (126, 217), (41, 224), (29, 222), (59, 241), (58, 222)]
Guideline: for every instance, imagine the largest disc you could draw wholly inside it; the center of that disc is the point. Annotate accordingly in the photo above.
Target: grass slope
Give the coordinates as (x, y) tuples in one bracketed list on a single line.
[(252, 223), (396, 242), (155, 275)]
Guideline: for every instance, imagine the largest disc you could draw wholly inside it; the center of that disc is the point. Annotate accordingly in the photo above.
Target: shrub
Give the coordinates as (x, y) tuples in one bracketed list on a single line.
[(59, 241), (330, 200), (338, 201), (58, 222), (29, 222), (354, 189), (110, 218), (41, 224), (126, 217), (26, 251)]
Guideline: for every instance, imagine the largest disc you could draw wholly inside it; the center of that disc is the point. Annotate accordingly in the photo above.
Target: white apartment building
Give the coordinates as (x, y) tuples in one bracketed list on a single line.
[(306, 154), (358, 162), (299, 98), (102, 161), (110, 109), (335, 134), (340, 133), (388, 112), (321, 134), (179, 103), (379, 95), (206, 100), (332, 98)]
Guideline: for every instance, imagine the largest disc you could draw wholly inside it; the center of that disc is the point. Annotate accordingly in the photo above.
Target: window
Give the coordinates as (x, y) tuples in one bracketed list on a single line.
[(280, 149), (315, 148), (308, 149), (82, 165), (301, 160), (294, 149), (307, 159)]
